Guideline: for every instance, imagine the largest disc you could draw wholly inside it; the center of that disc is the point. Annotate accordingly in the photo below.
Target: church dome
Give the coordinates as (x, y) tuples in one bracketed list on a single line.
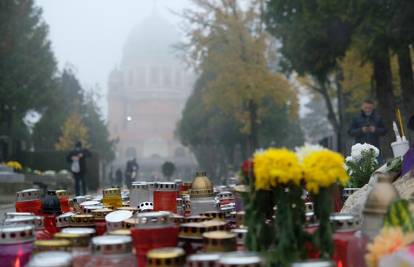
[(151, 42)]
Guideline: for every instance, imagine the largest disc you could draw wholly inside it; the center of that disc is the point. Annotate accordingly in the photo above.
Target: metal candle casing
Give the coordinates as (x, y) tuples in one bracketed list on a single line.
[(314, 263), (145, 207), (112, 198), (80, 238), (16, 244), (219, 241), (153, 230), (166, 257), (202, 195), (139, 193), (165, 197), (29, 201), (241, 234), (82, 220)]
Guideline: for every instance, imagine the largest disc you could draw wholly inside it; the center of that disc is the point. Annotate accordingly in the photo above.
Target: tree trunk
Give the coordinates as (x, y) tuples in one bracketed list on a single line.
[(385, 97), (406, 80), (333, 120), (252, 137), (341, 111)]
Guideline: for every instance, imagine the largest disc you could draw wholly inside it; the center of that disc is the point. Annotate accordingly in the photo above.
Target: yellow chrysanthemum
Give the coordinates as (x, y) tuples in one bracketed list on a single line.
[(322, 169), (276, 166), (14, 165)]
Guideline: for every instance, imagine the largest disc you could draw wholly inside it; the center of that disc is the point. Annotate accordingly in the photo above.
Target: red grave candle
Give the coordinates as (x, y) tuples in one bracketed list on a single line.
[(29, 201), (153, 230), (165, 197)]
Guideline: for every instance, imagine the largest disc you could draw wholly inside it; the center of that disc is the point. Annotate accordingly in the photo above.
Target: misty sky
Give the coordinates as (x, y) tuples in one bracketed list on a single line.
[(90, 34)]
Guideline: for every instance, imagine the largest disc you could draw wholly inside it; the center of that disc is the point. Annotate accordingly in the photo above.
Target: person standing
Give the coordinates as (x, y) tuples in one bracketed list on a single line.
[(131, 172), (367, 127), (118, 177), (77, 160)]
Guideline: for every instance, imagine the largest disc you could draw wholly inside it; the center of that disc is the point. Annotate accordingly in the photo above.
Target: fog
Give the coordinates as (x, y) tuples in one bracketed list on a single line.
[(89, 35)]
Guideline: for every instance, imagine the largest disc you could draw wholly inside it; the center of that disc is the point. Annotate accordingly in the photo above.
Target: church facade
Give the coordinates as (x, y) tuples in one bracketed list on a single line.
[(146, 94)]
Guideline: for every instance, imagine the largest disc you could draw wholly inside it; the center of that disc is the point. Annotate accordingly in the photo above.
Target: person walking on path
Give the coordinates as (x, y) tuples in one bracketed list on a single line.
[(131, 172), (367, 127), (77, 160)]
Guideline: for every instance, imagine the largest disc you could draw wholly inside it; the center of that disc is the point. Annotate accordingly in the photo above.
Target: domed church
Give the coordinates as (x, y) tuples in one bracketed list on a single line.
[(146, 95)]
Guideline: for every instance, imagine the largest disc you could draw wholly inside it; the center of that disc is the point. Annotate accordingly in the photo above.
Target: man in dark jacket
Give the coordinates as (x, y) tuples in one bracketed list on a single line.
[(368, 127), (77, 159)]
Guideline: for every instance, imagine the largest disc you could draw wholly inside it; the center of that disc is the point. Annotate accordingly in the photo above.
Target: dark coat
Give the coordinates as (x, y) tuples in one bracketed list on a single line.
[(363, 120), (84, 153)]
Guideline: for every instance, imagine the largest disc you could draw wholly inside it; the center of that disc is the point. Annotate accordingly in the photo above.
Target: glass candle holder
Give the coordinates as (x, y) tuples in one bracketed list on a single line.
[(16, 245), (112, 198)]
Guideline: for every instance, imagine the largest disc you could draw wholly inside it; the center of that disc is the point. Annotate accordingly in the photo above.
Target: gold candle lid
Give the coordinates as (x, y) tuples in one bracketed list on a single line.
[(166, 257), (62, 193), (74, 239), (196, 230), (219, 241), (196, 218), (52, 245), (214, 215), (99, 214), (82, 220), (112, 192)]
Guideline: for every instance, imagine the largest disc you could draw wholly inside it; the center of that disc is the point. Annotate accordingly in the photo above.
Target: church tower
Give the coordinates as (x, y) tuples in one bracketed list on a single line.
[(146, 95)]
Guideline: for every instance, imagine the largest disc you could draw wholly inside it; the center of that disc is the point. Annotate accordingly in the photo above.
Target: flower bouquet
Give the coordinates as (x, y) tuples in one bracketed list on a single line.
[(322, 170), (361, 164)]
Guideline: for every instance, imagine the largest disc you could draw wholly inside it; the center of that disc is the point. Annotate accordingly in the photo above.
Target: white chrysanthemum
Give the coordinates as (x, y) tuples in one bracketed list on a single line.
[(357, 149), (303, 151)]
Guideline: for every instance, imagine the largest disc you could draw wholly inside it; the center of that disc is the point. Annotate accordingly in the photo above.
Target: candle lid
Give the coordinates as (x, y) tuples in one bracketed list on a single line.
[(62, 193), (214, 215), (241, 259), (241, 234), (166, 257), (14, 234), (28, 195), (196, 230), (36, 221), (126, 232), (53, 244), (64, 219), (13, 214), (82, 220), (309, 206), (99, 214), (314, 263), (145, 206), (140, 185), (219, 241), (131, 209), (203, 259), (225, 195), (112, 244), (90, 203), (75, 239), (79, 231), (153, 219), (51, 259), (112, 191), (118, 216), (88, 209), (343, 222), (166, 186), (195, 218)]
